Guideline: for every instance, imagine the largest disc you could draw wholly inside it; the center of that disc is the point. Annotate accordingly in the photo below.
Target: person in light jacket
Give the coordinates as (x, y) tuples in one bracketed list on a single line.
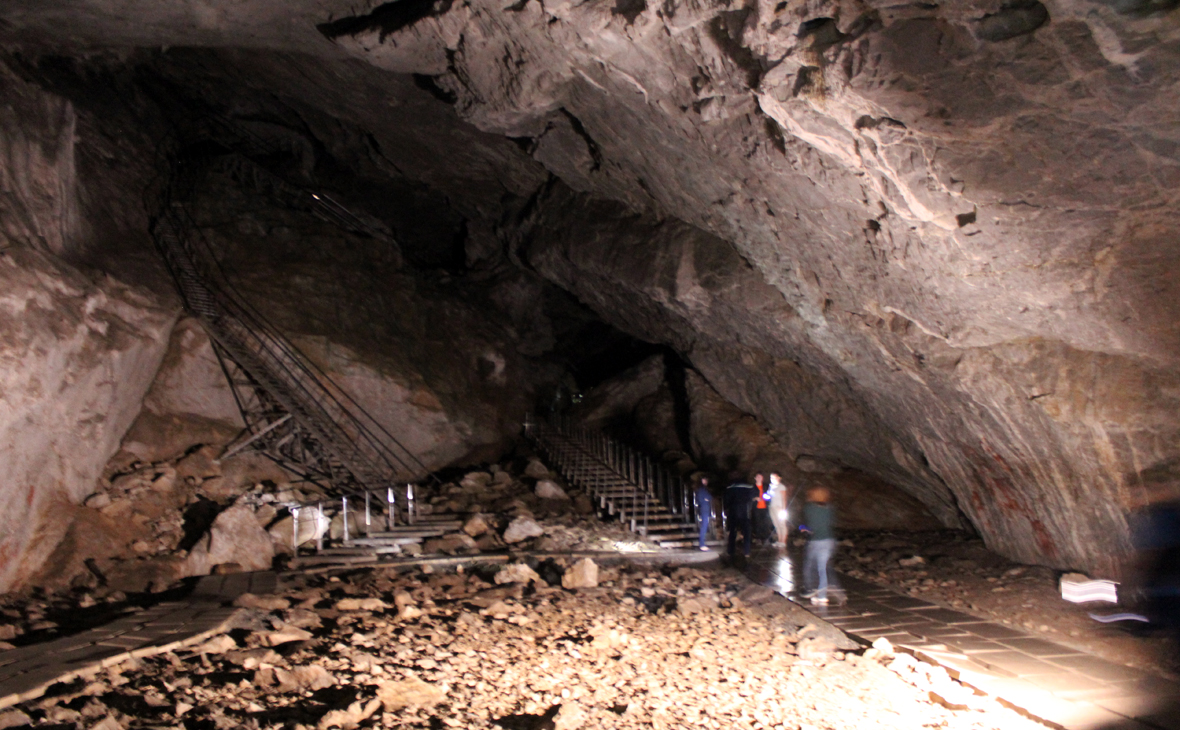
[(779, 499)]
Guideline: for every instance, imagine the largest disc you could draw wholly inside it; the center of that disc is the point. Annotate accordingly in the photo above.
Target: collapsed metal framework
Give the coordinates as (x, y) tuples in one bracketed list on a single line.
[(293, 411)]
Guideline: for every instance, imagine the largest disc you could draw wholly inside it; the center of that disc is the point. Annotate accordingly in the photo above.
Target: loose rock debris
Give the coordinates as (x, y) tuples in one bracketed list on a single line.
[(645, 648)]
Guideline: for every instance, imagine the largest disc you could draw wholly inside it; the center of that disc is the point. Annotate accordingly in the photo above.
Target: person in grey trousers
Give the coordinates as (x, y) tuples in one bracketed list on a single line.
[(818, 522)]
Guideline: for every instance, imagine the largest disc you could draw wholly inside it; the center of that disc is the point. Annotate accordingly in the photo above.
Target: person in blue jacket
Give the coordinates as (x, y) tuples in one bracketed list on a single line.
[(704, 499)]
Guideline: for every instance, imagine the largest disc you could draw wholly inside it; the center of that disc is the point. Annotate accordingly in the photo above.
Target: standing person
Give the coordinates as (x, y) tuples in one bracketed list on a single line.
[(1155, 574), (778, 508), (704, 509), (739, 498), (821, 545), (762, 525)]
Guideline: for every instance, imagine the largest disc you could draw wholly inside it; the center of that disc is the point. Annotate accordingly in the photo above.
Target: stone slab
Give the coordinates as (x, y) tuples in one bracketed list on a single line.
[(946, 616), (941, 631), (973, 644), (1039, 647), (1098, 668), (905, 602), (1019, 664), (1069, 685), (992, 631)]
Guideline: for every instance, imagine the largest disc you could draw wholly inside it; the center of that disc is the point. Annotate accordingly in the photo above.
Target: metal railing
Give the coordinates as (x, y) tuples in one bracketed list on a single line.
[(614, 474), (290, 404), (377, 507)]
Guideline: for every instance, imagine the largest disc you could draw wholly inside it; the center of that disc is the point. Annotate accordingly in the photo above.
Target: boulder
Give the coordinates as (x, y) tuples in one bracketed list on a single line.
[(350, 717), (285, 635), (361, 604), (582, 574), (14, 718), (583, 505), (537, 470), (571, 716), (309, 677), (234, 537), (475, 482), (489, 541), (475, 526), (264, 603), (547, 489), (517, 573), (199, 465), (311, 525), (411, 692), (690, 606), (456, 543), (522, 528), (336, 527)]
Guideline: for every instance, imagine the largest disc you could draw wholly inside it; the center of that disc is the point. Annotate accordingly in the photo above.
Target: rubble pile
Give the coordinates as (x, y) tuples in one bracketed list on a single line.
[(635, 647), (149, 525)]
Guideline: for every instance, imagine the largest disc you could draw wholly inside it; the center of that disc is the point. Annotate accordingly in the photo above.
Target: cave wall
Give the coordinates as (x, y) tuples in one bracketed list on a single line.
[(79, 351), (78, 357)]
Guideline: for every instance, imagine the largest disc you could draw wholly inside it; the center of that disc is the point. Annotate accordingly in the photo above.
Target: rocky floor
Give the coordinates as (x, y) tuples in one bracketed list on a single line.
[(958, 571), (644, 647)]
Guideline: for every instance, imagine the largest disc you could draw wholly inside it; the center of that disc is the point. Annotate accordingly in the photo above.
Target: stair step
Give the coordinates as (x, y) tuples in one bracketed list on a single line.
[(334, 560), (716, 544), (672, 527), (378, 542), (405, 534)]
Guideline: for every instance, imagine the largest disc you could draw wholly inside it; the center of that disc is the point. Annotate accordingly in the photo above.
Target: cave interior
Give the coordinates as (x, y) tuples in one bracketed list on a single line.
[(923, 254)]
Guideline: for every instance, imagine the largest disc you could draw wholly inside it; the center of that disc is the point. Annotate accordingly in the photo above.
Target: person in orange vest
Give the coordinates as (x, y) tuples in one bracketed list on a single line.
[(762, 524)]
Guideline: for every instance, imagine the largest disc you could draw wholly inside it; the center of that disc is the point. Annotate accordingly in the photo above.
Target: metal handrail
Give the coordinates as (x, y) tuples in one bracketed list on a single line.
[(322, 408), (642, 474), (214, 278)]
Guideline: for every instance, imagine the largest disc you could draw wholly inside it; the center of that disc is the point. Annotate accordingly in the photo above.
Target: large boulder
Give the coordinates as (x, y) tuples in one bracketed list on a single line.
[(582, 574), (522, 528), (234, 538), (548, 489)]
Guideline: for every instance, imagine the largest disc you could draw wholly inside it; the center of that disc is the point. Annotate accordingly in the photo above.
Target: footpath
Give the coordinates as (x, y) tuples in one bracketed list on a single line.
[(1050, 682), (27, 671)]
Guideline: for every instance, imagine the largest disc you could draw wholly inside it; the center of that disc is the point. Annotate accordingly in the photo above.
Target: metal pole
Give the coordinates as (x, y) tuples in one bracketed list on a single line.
[(368, 514), (295, 530), (389, 505), (645, 515), (319, 535), (344, 512)]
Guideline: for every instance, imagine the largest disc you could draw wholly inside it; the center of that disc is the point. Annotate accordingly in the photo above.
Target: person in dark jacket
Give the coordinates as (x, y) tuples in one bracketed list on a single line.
[(739, 499), (1155, 534), (704, 500), (818, 522)]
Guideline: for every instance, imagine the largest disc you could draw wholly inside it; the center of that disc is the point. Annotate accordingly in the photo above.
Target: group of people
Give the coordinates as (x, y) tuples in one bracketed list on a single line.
[(761, 512)]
